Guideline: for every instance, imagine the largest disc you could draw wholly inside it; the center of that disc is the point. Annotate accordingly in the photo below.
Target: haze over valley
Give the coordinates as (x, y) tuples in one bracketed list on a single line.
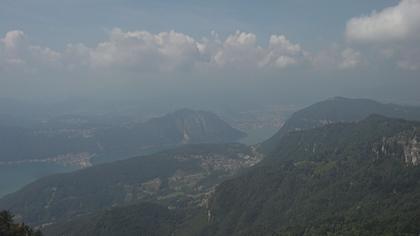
[(218, 118)]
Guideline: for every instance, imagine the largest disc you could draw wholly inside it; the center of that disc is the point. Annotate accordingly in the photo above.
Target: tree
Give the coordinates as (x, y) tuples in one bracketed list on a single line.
[(9, 228)]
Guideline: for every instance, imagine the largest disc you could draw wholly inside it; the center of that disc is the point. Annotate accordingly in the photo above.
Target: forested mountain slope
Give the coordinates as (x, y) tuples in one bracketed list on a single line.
[(343, 179), (339, 109), (357, 178)]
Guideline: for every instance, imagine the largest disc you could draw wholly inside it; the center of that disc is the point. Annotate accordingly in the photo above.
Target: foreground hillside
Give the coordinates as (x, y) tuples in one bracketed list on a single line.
[(139, 219), (177, 178), (8, 227), (323, 174), (342, 179)]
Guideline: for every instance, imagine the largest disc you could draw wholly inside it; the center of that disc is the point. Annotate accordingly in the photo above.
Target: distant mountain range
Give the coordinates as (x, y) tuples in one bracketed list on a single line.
[(333, 169), (180, 127), (71, 138), (339, 109)]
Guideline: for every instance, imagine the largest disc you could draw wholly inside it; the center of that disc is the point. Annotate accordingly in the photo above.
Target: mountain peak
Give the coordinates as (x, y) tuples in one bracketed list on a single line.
[(184, 111), (191, 126)]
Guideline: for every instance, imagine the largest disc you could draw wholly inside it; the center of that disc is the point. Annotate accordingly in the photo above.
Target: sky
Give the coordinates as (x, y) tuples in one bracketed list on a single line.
[(210, 53)]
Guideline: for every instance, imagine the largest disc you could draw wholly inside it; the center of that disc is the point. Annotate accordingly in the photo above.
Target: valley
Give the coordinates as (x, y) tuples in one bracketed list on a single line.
[(209, 118), (234, 189), (77, 142)]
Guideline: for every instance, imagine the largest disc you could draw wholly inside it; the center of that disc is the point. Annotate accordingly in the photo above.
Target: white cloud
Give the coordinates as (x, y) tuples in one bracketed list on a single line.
[(15, 50), (240, 39), (13, 45), (165, 51), (241, 49), (238, 50), (146, 51), (349, 58), (13, 39), (336, 57), (282, 53), (124, 49), (391, 34), (400, 22), (173, 50)]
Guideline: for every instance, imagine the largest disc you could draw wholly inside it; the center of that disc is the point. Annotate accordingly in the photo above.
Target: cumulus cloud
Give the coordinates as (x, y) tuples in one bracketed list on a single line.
[(349, 58), (396, 23), (392, 33), (144, 50), (13, 39), (336, 57), (13, 46), (164, 51), (172, 50), (15, 50), (282, 53), (239, 49)]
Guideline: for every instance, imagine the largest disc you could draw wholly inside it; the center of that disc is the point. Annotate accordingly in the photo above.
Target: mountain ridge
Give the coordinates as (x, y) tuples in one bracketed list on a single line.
[(357, 167), (357, 181), (339, 109), (183, 126), (329, 179)]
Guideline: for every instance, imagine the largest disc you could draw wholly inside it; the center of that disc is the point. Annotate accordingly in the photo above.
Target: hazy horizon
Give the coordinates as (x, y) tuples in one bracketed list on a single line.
[(198, 118), (196, 53)]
